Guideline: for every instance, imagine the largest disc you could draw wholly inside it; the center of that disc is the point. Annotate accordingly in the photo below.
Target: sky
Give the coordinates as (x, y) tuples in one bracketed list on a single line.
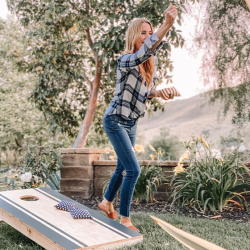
[(186, 76)]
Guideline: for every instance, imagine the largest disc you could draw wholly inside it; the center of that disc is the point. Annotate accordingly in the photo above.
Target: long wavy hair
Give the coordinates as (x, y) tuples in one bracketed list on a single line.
[(146, 69)]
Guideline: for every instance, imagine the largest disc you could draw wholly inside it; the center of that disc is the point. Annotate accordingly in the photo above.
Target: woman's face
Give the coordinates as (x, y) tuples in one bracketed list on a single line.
[(145, 33)]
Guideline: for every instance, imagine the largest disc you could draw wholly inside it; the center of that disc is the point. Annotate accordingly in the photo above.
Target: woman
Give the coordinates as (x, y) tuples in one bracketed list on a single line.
[(135, 84)]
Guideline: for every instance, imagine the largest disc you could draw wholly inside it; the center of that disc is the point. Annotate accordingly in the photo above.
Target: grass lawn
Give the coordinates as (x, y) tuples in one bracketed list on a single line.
[(227, 234)]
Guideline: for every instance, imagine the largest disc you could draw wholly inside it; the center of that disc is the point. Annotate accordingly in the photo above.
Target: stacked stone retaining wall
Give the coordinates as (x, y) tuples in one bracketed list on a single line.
[(84, 172)]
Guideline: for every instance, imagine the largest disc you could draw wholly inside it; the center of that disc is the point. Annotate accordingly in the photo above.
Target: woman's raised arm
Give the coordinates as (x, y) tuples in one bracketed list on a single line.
[(129, 61), (170, 16), (151, 45)]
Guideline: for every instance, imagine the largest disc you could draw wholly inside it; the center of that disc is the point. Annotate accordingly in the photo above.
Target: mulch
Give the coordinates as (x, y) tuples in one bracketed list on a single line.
[(233, 213)]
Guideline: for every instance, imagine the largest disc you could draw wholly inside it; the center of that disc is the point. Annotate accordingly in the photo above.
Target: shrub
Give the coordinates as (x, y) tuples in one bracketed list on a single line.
[(170, 146), (150, 178), (38, 165), (209, 182)]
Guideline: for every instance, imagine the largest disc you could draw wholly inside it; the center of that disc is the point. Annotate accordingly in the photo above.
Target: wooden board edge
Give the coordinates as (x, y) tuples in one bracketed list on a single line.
[(29, 231), (115, 244)]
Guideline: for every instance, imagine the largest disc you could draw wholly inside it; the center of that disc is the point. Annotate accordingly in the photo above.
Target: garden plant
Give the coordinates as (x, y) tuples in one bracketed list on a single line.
[(38, 166), (210, 182)]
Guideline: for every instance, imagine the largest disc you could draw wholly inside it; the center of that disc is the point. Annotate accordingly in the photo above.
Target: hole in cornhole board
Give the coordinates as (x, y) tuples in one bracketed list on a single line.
[(29, 198), (33, 213)]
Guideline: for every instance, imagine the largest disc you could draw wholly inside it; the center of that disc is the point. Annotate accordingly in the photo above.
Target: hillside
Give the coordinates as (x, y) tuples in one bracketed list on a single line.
[(187, 117)]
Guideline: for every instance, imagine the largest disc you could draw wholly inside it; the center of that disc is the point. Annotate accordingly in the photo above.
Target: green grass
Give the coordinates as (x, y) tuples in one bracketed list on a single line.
[(227, 234)]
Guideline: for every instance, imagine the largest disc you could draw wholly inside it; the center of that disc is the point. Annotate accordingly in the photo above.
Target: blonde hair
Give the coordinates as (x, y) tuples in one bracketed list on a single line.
[(146, 69)]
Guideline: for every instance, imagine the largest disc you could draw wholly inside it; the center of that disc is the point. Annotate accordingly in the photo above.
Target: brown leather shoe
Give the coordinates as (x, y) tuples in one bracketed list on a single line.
[(112, 215)]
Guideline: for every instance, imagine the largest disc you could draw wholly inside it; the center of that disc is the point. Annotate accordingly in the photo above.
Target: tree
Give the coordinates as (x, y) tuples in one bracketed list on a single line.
[(224, 37), (21, 122), (73, 47)]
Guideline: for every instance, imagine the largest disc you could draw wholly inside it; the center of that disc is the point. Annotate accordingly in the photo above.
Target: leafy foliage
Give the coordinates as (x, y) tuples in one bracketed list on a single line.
[(72, 50), (6, 182), (21, 122), (224, 37), (150, 179), (41, 162), (168, 144), (54, 181), (210, 182)]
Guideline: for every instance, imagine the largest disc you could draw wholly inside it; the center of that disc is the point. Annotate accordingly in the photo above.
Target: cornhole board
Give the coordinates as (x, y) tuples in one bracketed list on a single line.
[(56, 229)]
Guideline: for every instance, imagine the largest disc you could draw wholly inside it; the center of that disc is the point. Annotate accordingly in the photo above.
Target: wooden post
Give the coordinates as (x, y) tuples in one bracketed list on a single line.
[(77, 175)]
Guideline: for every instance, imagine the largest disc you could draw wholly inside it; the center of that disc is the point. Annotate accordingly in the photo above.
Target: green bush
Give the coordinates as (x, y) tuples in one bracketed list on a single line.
[(40, 163), (170, 146), (210, 182), (150, 178)]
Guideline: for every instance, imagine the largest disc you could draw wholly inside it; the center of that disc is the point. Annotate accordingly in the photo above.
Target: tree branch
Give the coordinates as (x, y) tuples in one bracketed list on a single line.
[(88, 81), (89, 37), (87, 5)]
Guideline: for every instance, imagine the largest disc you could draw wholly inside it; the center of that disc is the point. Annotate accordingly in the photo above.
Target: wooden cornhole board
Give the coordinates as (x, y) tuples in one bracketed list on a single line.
[(56, 229)]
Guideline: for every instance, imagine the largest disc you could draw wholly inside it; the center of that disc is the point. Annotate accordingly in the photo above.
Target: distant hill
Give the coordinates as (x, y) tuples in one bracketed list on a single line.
[(188, 117)]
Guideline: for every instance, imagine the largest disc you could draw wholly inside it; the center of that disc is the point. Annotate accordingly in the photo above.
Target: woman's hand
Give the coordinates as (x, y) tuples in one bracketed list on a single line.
[(170, 15), (168, 93), (163, 96)]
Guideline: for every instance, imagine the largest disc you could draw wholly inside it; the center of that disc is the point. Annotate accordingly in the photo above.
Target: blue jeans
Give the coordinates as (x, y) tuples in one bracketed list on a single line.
[(122, 135)]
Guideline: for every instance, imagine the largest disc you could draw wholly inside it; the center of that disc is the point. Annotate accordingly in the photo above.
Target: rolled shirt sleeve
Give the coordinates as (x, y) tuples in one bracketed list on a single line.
[(129, 61)]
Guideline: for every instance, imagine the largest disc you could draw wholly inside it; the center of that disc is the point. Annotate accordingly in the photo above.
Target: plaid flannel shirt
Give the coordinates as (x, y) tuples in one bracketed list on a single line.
[(130, 94)]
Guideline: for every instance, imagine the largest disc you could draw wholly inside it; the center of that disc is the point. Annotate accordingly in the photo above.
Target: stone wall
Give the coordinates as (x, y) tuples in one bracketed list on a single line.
[(84, 172), (77, 173), (104, 169)]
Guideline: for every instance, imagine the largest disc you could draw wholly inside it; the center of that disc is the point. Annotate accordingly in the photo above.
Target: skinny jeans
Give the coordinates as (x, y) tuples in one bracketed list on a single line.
[(122, 135)]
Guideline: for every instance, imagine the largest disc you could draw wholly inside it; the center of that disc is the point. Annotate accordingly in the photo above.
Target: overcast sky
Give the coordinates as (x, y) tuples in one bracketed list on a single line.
[(186, 77)]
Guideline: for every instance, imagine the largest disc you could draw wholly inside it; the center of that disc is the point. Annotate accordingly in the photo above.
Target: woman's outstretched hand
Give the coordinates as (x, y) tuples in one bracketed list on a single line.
[(170, 15)]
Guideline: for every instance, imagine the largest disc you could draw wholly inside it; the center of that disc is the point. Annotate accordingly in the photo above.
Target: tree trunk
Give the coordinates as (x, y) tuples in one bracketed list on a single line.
[(88, 119)]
